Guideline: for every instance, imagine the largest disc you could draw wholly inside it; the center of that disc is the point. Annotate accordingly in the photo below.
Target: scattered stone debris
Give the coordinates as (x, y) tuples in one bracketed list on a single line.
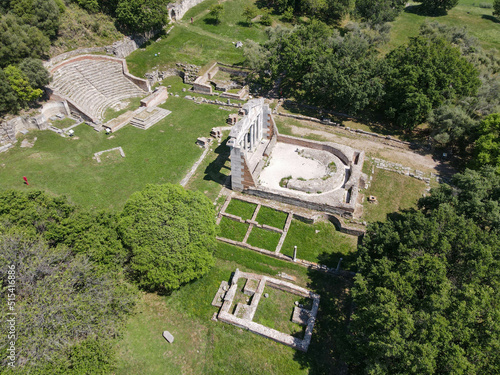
[(27, 144), (97, 155), (203, 142), (266, 295)]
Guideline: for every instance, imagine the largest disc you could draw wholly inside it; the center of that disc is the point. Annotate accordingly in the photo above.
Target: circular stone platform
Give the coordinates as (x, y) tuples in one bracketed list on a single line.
[(311, 171)]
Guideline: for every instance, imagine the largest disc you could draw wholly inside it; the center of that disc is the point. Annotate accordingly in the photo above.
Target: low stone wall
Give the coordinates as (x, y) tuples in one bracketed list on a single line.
[(157, 97), (314, 145), (177, 10), (340, 208)]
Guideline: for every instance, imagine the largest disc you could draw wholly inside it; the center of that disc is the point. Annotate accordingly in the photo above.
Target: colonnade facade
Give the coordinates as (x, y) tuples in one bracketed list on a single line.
[(252, 139)]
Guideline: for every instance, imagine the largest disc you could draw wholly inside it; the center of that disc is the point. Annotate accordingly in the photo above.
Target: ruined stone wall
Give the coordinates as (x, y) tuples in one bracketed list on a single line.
[(177, 10), (340, 209)]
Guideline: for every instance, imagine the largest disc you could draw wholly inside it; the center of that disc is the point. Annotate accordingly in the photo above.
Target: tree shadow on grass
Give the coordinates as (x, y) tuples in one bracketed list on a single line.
[(421, 10), (213, 170), (211, 21), (490, 18), (329, 348), (244, 24)]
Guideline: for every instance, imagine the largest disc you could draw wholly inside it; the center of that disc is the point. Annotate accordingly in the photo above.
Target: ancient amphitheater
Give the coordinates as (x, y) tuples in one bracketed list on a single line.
[(92, 83)]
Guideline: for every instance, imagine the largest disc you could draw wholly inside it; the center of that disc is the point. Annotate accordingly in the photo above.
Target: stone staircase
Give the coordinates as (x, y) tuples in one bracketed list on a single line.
[(147, 117)]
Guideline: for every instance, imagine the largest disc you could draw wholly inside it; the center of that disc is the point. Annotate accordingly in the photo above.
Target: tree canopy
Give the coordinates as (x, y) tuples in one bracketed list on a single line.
[(141, 15), (64, 306), (487, 146), (171, 234), (427, 296), (438, 6), (422, 75)]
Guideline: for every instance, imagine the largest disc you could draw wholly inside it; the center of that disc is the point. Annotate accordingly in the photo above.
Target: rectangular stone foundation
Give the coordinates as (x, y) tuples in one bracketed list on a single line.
[(247, 312)]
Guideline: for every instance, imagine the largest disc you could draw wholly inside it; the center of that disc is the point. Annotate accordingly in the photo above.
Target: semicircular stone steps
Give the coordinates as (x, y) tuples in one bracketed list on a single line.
[(94, 85)]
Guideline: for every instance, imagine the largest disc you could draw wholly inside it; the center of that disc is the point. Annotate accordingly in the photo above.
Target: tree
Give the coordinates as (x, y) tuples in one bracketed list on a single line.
[(35, 72), (348, 77), (496, 7), (67, 311), (90, 233), (473, 194), (427, 296), (438, 6), (9, 102), (422, 75), (43, 14), (452, 127), (171, 234), (141, 15), (19, 41), (266, 19), (20, 84), (487, 147), (250, 13), (378, 12), (216, 11)]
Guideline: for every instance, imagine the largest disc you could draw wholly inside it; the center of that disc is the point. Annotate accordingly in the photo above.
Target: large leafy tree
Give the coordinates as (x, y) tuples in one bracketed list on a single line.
[(141, 15), (171, 234), (347, 77), (67, 310), (381, 11), (35, 72), (487, 146), (19, 41), (21, 85), (438, 6), (427, 296), (43, 14), (91, 233), (423, 75), (475, 194)]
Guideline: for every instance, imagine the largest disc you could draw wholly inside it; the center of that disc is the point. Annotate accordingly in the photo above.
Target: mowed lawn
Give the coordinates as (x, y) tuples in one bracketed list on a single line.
[(203, 346), (202, 41), (163, 153), (478, 21), (393, 192)]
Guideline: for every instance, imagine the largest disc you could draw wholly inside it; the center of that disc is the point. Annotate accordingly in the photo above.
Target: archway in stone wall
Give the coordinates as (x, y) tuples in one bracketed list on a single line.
[(172, 15)]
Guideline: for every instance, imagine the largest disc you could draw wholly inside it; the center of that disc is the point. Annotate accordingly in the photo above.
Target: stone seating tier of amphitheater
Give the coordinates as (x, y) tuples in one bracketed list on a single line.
[(93, 83)]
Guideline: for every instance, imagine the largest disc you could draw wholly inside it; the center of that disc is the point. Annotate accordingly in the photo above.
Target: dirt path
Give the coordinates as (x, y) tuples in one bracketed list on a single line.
[(374, 147)]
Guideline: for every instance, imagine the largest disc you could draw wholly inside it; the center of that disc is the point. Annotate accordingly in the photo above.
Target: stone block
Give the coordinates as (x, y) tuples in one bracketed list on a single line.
[(168, 336)]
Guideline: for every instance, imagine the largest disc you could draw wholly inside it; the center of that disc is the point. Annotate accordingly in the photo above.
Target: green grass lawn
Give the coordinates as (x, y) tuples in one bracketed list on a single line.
[(234, 230), (200, 42), (164, 153), (276, 312), (479, 22), (393, 191), (264, 239), (242, 209), (212, 172), (63, 123), (133, 104), (203, 346), (271, 217), (326, 246)]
